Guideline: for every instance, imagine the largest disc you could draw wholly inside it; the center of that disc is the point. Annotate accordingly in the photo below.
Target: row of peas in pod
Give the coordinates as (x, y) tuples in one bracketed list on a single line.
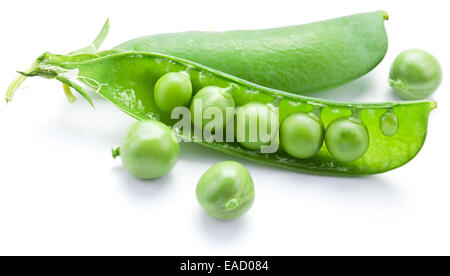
[(301, 135)]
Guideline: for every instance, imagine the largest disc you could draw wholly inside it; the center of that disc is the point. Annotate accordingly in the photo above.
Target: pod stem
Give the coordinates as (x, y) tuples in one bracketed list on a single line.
[(115, 152), (18, 81), (95, 45), (231, 204), (91, 48), (399, 84), (230, 89)]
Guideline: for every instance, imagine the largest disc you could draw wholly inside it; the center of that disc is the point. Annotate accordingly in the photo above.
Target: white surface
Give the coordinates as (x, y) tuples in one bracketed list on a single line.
[(62, 193)]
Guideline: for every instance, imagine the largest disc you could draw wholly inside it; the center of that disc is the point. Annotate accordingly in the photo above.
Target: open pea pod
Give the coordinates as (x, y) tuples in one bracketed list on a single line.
[(396, 131)]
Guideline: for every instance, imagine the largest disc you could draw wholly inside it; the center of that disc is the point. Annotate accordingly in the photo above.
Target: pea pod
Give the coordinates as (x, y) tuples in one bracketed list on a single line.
[(389, 134), (295, 59)]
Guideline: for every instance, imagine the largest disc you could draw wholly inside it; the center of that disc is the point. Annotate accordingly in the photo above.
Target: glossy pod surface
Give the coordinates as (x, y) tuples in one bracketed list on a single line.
[(295, 59), (396, 130)]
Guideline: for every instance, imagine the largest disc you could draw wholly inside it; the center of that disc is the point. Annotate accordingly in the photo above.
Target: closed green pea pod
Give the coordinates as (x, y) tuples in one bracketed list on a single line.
[(296, 59)]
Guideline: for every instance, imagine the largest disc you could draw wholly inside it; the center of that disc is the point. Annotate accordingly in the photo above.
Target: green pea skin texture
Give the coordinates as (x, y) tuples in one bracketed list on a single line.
[(173, 90), (346, 139), (251, 119), (415, 74), (149, 149), (212, 97), (226, 190), (301, 136)]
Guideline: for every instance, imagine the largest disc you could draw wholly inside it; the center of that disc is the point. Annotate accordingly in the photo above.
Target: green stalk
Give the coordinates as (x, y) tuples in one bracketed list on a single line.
[(17, 82), (91, 48)]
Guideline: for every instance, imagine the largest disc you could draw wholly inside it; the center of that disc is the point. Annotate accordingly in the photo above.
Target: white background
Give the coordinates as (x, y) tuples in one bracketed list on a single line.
[(62, 193)]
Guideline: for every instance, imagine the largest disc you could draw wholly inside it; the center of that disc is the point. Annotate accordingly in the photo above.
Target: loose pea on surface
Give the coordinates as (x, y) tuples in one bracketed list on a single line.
[(226, 191), (256, 125), (301, 136), (172, 90), (415, 74), (149, 149), (346, 139), (212, 97)]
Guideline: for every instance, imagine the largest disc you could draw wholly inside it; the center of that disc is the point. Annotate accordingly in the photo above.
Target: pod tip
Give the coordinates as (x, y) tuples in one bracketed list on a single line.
[(385, 15), (434, 104)]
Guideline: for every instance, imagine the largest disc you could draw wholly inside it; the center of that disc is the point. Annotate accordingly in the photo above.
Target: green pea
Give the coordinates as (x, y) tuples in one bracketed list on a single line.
[(389, 124), (226, 191), (256, 125), (415, 74), (212, 97), (173, 90), (149, 149), (301, 136), (346, 139)]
